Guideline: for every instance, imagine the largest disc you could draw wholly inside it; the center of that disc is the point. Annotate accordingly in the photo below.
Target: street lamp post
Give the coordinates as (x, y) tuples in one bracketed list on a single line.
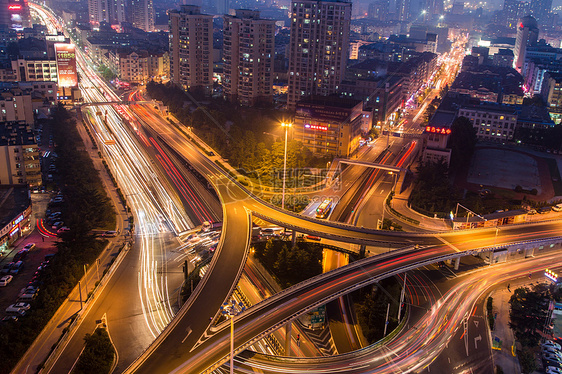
[(286, 126), (232, 309)]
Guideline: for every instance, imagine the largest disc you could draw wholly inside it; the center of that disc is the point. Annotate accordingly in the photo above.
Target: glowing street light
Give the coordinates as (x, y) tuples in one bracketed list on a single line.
[(286, 126), (231, 310)]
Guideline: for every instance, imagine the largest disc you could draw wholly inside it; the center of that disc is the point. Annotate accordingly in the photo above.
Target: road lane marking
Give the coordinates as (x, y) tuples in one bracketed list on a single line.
[(448, 244), (189, 331)]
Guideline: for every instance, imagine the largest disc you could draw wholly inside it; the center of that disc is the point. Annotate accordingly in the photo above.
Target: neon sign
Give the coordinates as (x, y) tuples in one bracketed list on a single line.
[(438, 130), (14, 7), (551, 275), (316, 127), (14, 230), (17, 220)]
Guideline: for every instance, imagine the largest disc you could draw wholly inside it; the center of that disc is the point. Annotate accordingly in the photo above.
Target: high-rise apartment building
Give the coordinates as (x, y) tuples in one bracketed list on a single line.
[(19, 155), (379, 10), (110, 11), (248, 55), (318, 48), (527, 36), (141, 14), (97, 12), (191, 48)]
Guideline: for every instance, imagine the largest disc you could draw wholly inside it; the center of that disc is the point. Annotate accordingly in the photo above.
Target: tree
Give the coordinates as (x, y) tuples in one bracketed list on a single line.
[(527, 361), (528, 312), (98, 354), (433, 192), (462, 142)]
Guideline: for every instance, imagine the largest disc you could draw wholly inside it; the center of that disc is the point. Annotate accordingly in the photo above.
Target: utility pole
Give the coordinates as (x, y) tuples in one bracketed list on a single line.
[(402, 296)]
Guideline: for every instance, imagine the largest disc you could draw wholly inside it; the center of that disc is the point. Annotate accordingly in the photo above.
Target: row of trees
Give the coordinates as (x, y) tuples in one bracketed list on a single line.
[(86, 206), (371, 304), (434, 192), (527, 316), (98, 354), (241, 136)]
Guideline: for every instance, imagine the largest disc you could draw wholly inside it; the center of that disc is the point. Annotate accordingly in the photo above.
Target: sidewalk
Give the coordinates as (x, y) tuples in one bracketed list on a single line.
[(400, 204), (503, 358), (51, 334)]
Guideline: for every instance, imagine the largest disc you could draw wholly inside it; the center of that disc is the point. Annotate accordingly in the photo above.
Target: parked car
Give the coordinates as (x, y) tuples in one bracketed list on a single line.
[(109, 234), (21, 255), (29, 246), (18, 307), (6, 268), (63, 230), (553, 370), (18, 266), (57, 225), (557, 208), (550, 343), (552, 350), (545, 209), (28, 295), (9, 318), (268, 233), (552, 358), (5, 280)]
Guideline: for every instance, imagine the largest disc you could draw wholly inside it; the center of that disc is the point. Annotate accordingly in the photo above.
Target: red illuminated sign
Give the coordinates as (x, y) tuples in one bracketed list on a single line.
[(66, 65), (14, 7), (316, 127), (438, 130)]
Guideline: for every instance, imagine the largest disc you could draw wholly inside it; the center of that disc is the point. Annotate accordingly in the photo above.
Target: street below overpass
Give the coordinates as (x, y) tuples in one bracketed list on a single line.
[(447, 335)]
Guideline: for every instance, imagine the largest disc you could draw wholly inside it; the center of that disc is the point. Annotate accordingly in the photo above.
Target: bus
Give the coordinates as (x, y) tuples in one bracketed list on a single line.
[(324, 209)]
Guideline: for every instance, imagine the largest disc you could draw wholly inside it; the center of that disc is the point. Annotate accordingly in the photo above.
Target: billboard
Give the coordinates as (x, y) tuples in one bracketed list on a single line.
[(66, 65)]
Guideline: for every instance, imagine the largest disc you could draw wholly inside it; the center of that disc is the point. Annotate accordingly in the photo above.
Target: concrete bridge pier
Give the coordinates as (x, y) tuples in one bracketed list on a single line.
[(288, 330), (529, 252), (457, 263), (294, 238), (362, 249)]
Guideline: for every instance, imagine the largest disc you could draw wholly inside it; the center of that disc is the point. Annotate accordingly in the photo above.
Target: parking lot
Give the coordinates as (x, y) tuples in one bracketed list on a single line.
[(34, 258)]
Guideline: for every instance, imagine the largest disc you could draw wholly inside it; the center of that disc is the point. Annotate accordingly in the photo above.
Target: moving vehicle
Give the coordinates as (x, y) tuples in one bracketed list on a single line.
[(312, 237), (109, 234), (557, 208), (324, 208)]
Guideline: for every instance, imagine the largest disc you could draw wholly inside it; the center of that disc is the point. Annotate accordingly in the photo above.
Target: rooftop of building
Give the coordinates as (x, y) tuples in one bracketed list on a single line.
[(14, 199), (533, 113), (369, 64), (16, 133), (330, 101), (442, 119), (505, 52)]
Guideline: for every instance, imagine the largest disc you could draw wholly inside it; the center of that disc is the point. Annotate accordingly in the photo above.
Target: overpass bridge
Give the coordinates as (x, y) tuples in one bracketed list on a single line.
[(190, 344), (408, 152), (262, 319), (124, 102)]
